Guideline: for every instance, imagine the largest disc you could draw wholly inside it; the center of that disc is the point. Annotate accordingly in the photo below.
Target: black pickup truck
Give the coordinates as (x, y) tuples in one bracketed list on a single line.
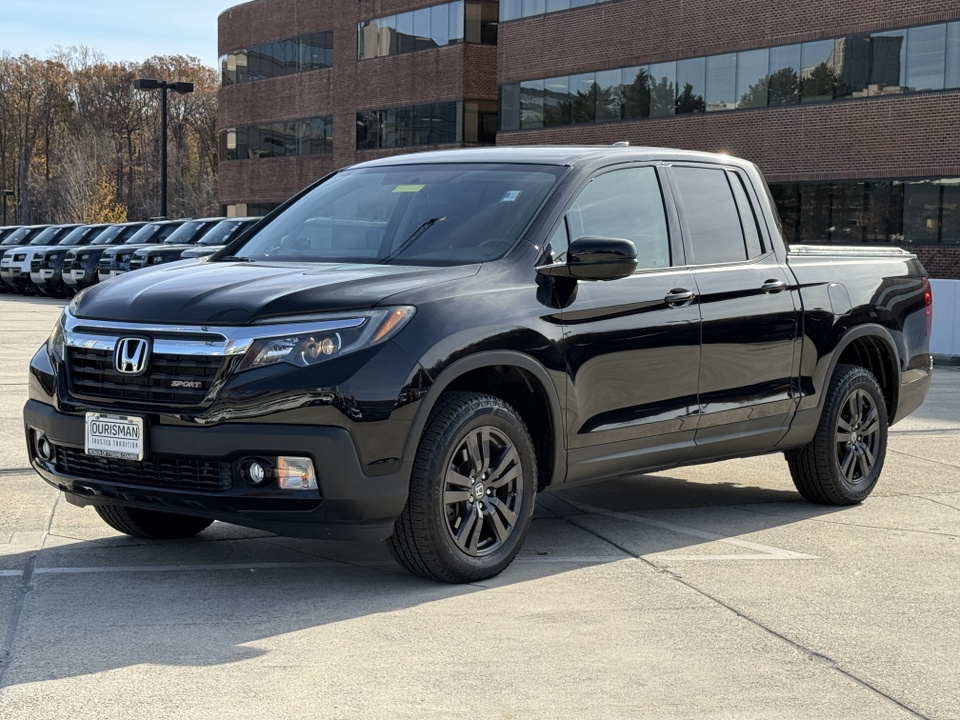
[(413, 347)]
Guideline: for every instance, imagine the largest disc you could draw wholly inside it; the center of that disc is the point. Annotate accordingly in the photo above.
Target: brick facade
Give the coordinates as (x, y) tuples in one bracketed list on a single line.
[(898, 136), (446, 73)]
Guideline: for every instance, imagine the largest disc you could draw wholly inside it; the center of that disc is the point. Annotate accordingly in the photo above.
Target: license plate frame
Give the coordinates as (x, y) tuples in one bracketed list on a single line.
[(115, 436)]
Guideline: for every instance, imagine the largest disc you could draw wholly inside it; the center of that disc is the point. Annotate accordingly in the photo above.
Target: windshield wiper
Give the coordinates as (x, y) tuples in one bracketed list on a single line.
[(234, 258), (410, 240)]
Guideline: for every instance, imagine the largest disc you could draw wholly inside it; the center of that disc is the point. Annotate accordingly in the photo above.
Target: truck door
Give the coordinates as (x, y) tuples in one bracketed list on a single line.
[(632, 346), (749, 311)]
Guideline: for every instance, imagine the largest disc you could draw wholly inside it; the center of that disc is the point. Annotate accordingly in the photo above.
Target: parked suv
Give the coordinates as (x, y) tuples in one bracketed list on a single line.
[(413, 347), (80, 266), (116, 260), (46, 271), (16, 264), (225, 232), (179, 240), (14, 235)]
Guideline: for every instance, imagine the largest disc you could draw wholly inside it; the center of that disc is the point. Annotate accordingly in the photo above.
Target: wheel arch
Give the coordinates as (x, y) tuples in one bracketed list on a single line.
[(517, 379), (871, 347)]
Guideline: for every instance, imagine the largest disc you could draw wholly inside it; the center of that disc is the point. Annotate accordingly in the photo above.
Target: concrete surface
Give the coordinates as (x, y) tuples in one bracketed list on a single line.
[(705, 592)]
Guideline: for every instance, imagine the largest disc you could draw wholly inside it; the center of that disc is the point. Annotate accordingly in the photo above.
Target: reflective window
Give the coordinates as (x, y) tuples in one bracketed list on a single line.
[(556, 101), (531, 104), (865, 65), (427, 28), (818, 63), (513, 9), (624, 204), (783, 87), (428, 124), (711, 221), (307, 136), (663, 88), (691, 85), (583, 98), (952, 73), (248, 209), (926, 57), (275, 59), (753, 78), (608, 95), (721, 91), (925, 211), (510, 108)]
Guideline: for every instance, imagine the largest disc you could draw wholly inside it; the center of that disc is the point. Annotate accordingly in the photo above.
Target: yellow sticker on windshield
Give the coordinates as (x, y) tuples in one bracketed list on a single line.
[(408, 188)]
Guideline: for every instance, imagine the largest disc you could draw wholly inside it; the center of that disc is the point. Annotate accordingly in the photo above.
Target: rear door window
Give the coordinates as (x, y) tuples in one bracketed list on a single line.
[(711, 219)]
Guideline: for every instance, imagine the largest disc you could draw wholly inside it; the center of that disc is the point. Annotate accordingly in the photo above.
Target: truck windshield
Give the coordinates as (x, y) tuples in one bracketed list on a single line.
[(410, 214)]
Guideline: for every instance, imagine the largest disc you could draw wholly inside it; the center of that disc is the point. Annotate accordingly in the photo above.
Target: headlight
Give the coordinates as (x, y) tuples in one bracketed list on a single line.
[(82, 258), (341, 335), (56, 343), (156, 259)]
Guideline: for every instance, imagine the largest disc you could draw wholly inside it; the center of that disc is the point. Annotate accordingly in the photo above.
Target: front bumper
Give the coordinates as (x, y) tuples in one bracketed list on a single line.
[(15, 277), (348, 506)]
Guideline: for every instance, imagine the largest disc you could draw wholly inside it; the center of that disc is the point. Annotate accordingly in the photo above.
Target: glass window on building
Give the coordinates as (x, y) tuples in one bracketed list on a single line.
[(457, 22), (635, 93), (691, 85), (509, 107), (511, 9), (926, 57), (479, 122), (440, 24), (663, 88), (583, 98), (427, 124), (608, 95), (952, 59), (818, 65), (531, 104), (950, 211), (753, 78), (532, 7), (556, 101), (784, 85), (721, 93), (889, 56), (557, 5)]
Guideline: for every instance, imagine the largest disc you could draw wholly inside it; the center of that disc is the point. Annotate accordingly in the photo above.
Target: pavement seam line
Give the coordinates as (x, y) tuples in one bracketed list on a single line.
[(917, 457), (16, 471), (856, 525), (810, 654), (26, 587)]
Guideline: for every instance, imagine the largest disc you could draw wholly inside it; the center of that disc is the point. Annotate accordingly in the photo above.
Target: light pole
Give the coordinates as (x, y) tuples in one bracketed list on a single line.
[(178, 87), (6, 194)]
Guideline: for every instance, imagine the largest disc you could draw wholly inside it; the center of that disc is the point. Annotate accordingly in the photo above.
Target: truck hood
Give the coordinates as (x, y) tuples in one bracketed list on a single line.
[(235, 293)]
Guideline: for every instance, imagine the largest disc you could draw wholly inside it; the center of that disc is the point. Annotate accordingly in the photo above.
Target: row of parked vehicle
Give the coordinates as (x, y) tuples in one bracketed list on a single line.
[(61, 260)]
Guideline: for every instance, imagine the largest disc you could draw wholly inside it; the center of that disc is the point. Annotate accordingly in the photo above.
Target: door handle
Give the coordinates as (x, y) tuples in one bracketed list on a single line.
[(679, 298), (773, 286)]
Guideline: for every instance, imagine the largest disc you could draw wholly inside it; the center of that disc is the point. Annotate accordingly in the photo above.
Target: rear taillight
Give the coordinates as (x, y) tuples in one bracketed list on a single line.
[(928, 303)]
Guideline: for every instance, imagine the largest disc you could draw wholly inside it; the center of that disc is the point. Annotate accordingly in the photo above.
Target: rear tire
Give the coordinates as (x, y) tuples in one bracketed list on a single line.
[(842, 464), (151, 524), (472, 491)]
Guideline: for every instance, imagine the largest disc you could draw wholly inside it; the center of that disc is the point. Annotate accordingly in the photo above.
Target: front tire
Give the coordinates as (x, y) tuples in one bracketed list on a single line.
[(472, 491), (151, 524), (842, 464)]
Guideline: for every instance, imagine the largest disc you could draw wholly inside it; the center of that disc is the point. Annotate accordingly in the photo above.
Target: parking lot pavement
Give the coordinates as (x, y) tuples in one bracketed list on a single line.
[(703, 592)]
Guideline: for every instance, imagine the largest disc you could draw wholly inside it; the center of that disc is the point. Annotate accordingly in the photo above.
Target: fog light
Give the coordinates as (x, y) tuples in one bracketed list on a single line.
[(44, 448), (255, 472), (296, 473)]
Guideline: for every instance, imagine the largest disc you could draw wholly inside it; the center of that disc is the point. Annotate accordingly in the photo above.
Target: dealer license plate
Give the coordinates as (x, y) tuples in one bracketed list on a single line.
[(119, 436)]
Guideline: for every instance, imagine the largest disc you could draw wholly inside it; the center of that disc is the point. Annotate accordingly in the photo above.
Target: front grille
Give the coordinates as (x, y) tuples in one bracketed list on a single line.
[(35, 262), (161, 472), (104, 264), (169, 379)]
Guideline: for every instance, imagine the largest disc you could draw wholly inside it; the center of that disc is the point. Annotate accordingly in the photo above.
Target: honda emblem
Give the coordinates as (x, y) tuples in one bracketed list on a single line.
[(131, 356)]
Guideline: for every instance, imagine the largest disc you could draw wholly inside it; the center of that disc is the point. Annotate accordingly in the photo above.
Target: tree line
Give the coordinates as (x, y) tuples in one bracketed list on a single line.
[(79, 144)]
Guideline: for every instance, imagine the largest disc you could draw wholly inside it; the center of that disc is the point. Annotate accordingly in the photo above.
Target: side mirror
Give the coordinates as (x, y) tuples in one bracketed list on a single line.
[(595, 258)]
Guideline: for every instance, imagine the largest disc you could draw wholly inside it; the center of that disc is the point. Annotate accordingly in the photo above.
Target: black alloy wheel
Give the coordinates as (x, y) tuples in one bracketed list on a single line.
[(472, 491), (843, 461), (480, 491)]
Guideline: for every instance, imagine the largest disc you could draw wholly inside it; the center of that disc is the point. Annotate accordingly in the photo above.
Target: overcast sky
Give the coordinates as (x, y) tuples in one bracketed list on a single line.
[(130, 30)]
